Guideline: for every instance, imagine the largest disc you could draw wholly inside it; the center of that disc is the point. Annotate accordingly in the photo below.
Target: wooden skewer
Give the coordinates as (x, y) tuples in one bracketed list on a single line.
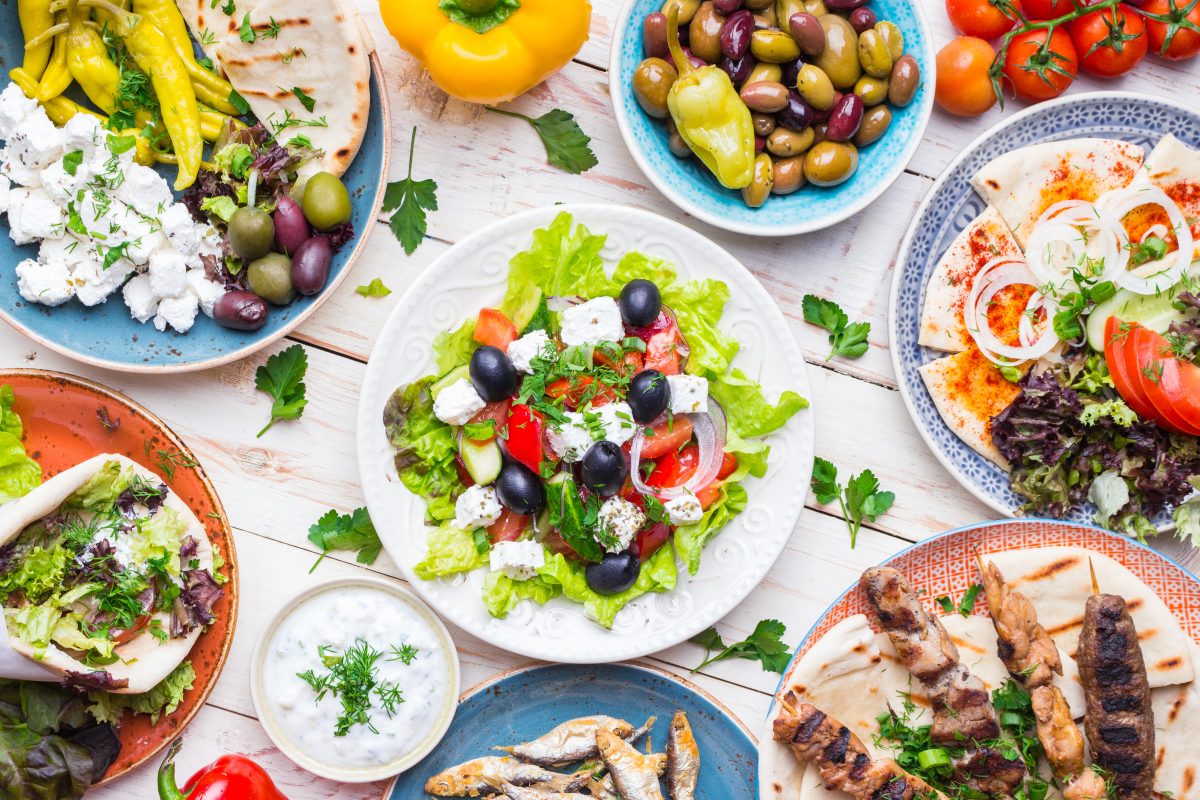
[(1095, 583)]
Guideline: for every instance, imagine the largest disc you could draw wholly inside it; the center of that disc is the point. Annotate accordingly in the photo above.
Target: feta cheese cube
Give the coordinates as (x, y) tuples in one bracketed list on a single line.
[(143, 235), (622, 519), (59, 185), (597, 320), (36, 141), (145, 191), (457, 403), (94, 283), (477, 507), (523, 351), (47, 284), (106, 164), (518, 560), (68, 250), (206, 291), (178, 312), (182, 232), (14, 108), (142, 302), (83, 132), (32, 215), (684, 510), (168, 274), (18, 173), (571, 439), (689, 394), (617, 419)]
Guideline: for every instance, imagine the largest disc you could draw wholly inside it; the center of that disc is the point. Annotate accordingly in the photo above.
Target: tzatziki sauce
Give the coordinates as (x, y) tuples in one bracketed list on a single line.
[(337, 620)]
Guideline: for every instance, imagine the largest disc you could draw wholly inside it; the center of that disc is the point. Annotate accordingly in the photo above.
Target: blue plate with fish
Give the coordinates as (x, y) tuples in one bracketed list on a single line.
[(521, 705), (106, 335)]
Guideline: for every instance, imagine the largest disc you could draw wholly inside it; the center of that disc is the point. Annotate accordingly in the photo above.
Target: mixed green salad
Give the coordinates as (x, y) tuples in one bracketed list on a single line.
[(584, 434)]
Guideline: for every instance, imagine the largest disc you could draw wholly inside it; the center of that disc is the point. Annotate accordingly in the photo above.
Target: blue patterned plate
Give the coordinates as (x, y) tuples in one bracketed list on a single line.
[(952, 204), (521, 705), (691, 187), (105, 335)]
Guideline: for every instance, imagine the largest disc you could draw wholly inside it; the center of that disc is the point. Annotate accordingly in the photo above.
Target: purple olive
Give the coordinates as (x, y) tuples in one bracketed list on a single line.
[(727, 6), (695, 60), (310, 265), (808, 33), (291, 227), (791, 71), (822, 117), (797, 115), (654, 36), (760, 144), (739, 69), (241, 310), (735, 34), (845, 118), (862, 19), (844, 5)]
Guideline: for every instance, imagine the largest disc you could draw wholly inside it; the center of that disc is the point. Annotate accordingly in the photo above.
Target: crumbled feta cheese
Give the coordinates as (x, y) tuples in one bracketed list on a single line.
[(107, 164), (570, 439), (145, 191), (168, 274), (518, 560), (48, 284), (18, 173), (60, 186), (617, 419), (5, 188), (68, 250), (94, 283), (36, 141), (477, 507), (457, 403), (689, 394), (206, 291), (14, 108), (83, 133), (178, 312), (182, 232), (597, 320), (140, 298), (32, 215), (684, 510), (143, 236), (523, 351), (622, 519)]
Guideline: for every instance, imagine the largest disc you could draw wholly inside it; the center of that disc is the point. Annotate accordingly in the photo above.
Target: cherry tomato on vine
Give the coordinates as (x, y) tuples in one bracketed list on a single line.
[(963, 85), (1175, 35), (1039, 71), (1109, 42), (982, 18), (1046, 9)]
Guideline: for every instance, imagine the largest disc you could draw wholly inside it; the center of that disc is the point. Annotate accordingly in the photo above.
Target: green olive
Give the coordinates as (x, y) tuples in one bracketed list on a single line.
[(773, 46), (785, 143), (874, 125), (760, 186), (679, 148), (764, 124), (652, 81), (905, 80), (765, 18), (687, 9), (892, 35), (759, 5), (784, 9), (873, 91), (326, 201), (815, 7), (815, 87), (270, 277), (874, 55), (830, 163), (704, 33), (789, 175), (839, 59), (765, 72), (251, 233)]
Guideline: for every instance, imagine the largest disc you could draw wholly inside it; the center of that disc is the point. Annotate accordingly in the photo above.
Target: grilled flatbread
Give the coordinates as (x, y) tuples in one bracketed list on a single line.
[(1176, 731), (968, 391), (209, 23), (1175, 168), (1023, 183)]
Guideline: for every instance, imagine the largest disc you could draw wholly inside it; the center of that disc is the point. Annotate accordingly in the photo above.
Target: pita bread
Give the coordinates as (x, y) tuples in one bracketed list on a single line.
[(969, 392), (144, 661), (1176, 731), (1175, 168), (209, 24), (1023, 183), (327, 60), (942, 324)]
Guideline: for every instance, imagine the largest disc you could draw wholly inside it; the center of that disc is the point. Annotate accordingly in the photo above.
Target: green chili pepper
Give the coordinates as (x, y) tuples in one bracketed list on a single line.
[(710, 115)]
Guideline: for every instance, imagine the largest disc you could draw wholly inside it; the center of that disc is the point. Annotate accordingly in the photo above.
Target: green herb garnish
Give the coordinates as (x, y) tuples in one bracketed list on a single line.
[(353, 531), (966, 605), (353, 678), (373, 289), (848, 340), (860, 499), (282, 377), (765, 645), (410, 200), (567, 146)]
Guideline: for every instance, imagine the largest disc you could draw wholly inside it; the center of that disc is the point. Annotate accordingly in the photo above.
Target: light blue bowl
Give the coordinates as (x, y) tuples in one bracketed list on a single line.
[(107, 336), (689, 185)]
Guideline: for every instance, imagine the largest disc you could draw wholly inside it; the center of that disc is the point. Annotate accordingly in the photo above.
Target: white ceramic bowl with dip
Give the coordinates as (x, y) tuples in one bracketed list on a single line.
[(338, 614)]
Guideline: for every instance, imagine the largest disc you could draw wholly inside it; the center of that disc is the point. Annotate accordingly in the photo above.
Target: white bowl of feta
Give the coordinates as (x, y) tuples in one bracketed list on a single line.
[(355, 679)]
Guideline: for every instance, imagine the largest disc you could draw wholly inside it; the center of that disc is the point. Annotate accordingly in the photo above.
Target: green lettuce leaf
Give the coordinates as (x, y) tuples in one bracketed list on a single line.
[(68, 632), (450, 551), (691, 539), (161, 700), (501, 593), (102, 489), (425, 448), (160, 534), (563, 260), (19, 473), (453, 349), (747, 411), (658, 575), (40, 573), (32, 624)]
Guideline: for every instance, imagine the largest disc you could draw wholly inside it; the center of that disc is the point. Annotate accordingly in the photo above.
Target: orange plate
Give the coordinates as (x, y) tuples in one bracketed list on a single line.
[(63, 427)]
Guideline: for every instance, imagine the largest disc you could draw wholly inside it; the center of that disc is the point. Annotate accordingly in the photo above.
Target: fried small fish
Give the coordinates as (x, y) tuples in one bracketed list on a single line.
[(572, 741), (635, 775), (534, 793), (603, 789), (483, 776), (683, 759)]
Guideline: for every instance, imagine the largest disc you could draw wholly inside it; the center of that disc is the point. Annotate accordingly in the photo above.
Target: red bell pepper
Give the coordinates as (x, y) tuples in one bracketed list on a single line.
[(230, 777)]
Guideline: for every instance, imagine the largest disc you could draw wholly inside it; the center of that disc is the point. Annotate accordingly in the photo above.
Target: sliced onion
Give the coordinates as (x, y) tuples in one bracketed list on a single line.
[(1154, 277), (1066, 236), (559, 304), (997, 275), (709, 430)]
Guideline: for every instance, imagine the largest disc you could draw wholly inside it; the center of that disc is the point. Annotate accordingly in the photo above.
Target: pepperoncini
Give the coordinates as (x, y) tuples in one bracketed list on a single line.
[(710, 116), (36, 18)]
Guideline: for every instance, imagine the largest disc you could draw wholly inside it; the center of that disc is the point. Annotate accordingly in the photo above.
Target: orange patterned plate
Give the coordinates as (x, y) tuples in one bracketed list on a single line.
[(68, 420)]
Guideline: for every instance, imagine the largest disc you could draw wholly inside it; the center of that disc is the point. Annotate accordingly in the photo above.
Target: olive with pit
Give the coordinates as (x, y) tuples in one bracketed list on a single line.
[(844, 119), (798, 114), (814, 86), (679, 148), (905, 80), (764, 124), (816, 7), (738, 69), (873, 91), (808, 33), (493, 374), (251, 233), (875, 123), (874, 55), (270, 277), (774, 46), (766, 97), (765, 19), (652, 81), (759, 189), (765, 72), (687, 9), (654, 36), (727, 7), (241, 310), (326, 201), (310, 265), (785, 143), (892, 35), (844, 6), (704, 33), (830, 163), (735, 34), (785, 9), (862, 19), (789, 175), (839, 59), (291, 228), (759, 5)]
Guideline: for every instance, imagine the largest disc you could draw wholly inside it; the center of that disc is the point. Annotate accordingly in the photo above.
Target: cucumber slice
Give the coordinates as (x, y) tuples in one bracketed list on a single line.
[(483, 461), (1155, 312), (524, 313), (451, 377)]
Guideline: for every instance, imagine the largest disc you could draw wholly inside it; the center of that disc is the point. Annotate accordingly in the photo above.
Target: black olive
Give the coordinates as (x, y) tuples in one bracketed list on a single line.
[(616, 573), (520, 489), (640, 302), (604, 468), (648, 395), (493, 374)]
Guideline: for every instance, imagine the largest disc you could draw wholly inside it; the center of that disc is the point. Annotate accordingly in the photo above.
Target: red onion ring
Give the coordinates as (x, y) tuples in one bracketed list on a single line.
[(709, 429)]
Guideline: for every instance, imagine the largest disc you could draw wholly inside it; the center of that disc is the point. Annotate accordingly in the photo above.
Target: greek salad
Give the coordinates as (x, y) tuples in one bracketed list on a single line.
[(585, 432)]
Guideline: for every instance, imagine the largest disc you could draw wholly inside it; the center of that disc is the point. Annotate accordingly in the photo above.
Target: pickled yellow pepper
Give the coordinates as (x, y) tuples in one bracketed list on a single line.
[(36, 19), (710, 116), (88, 61), (57, 77), (210, 88), (58, 109)]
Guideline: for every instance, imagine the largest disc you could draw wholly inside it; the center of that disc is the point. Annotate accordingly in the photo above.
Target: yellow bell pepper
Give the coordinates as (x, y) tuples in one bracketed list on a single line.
[(489, 51)]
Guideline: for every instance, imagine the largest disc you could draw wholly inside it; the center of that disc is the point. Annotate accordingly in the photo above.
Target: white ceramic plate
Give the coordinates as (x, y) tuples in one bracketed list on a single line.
[(472, 275)]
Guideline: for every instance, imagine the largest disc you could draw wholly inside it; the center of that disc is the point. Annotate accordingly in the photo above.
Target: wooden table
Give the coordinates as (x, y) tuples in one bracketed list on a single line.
[(487, 167)]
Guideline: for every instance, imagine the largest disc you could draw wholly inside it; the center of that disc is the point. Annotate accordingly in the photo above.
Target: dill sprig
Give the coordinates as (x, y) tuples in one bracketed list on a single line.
[(353, 678)]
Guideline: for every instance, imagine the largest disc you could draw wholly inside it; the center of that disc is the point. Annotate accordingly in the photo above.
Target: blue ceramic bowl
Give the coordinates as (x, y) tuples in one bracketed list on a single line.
[(107, 336), (689, 185), (520, 706)]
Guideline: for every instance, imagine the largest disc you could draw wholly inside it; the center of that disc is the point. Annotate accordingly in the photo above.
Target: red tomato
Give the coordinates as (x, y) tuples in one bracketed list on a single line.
[(650, 539), (980, 18), (494, 328), (553, 539), (508, 528), (1184, 17), (668, 436), (1159, 379), (525, 436), (1038, 74), (630, 493), (729, 465), (963, 86), (1116, 348), (137, 627), (577, 390), (674, 468), (496, 412), (630, 363), (1186, 394), (709, 494), (662, 352), (1046, 9), (1110, 42)]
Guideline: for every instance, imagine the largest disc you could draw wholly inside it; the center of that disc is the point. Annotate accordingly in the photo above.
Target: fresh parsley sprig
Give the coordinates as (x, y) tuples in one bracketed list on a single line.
[(966, 605), (567, 146), (765, 645), (282, 377), (353, 531), (410, 200), (849, 340), (860, 499)]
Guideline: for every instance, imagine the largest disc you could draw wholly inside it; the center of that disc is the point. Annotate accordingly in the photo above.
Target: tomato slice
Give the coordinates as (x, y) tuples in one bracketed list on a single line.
[(496, 412), (709, 494), (1159, 379), (137, 627), (668, 437), (577, 390), (674, 468), (649, 540), (729, 465), (1117, 354), (662, 352), (525, 436), (508, 528), (1187, 394), (493, 328)]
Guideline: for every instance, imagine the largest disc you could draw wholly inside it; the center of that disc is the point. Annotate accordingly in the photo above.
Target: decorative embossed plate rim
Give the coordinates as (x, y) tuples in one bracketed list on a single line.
[(945, 565), (472, 275), (951, 205)]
